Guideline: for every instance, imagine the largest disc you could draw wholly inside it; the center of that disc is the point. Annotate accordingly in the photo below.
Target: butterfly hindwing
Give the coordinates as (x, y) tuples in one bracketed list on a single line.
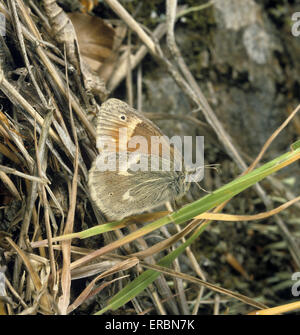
[(121, 193)]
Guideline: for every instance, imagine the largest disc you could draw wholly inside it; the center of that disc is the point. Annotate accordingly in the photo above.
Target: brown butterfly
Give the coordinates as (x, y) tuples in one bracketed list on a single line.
[(119, 183)]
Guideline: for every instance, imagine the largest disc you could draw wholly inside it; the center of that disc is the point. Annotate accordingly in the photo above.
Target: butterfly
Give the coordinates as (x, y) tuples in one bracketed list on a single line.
[(137, 168)]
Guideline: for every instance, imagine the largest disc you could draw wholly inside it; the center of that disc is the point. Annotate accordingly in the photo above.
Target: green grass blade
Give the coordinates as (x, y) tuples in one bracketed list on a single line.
[(188, 212)]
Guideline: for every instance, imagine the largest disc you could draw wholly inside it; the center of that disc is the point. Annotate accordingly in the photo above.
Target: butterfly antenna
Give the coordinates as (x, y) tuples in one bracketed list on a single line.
[(202, 189), (209, 166), (213, 166), (194, 181)]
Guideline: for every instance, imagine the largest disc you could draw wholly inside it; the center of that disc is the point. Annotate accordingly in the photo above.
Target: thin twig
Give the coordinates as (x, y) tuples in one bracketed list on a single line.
[(139, 88), (64, 300), (177, 281), (43, 180), (217, 126), (54, 74), (38, 148), (121, 70), (129, 72), (15, 96), (23, 49), (130, 21)]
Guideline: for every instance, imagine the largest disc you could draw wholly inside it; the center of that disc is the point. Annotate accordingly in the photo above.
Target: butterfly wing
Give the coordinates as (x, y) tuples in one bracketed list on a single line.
[(122, 193), (119, 191), (116, 115)]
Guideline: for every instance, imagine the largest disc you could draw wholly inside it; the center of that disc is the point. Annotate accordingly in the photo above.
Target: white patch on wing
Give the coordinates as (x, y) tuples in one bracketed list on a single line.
[(124, 173), (134, 159), (125, 165), (132, 125), (127, 196)]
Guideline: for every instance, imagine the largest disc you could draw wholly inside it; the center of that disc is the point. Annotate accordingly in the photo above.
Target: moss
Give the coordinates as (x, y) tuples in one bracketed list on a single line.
[(148, 13), (201, 20)]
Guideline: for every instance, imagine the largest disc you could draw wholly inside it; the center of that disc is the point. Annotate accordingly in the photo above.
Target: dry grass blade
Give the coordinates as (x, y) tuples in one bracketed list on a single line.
[(167, 242), (10, 185), (236, 265), (15, 293), (9, 154), (128, 19), (209, 216), (261, 216), (10, 133), (278, 309), (210, 286), (40, 154), (17, 24), (136, 58), (198, 97), (108, 248), (41, 180), (45, 301), (272, 138), (64, 300), (55, 75), (122, 266), (195, 280), (48, 104), (92, 269), (14, 95), (147, 217)]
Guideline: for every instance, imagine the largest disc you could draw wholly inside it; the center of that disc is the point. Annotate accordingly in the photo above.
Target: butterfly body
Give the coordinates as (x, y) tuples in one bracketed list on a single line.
[(125, 186)]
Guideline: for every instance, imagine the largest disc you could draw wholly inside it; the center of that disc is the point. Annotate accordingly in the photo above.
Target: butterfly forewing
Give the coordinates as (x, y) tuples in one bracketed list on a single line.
[(136, 169), (117, 119)]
